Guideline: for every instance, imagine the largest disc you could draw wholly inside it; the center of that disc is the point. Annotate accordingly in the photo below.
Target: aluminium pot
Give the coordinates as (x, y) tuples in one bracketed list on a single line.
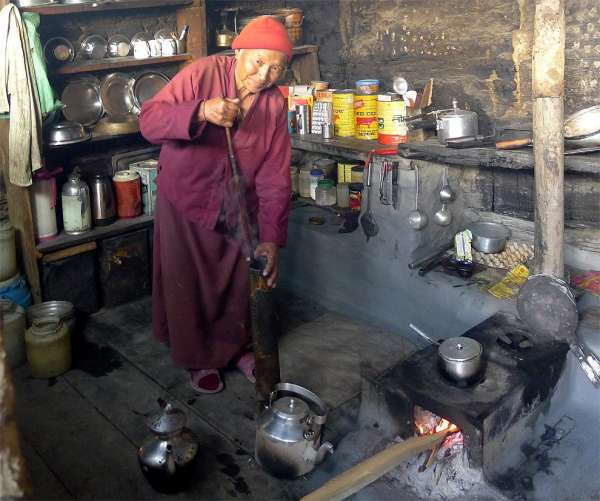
[(489, 237), (456, 123), (460, 358)]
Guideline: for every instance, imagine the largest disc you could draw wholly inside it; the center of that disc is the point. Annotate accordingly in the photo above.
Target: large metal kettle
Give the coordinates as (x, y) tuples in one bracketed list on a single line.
[(289, 431), (76, 208), (167, 458), (103, 200)]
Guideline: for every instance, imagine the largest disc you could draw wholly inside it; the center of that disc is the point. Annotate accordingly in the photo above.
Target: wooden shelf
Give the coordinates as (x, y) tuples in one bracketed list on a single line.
[(356, 149), (63, 241), (115, 63), (345, 147), (296, 51), (59, 9)]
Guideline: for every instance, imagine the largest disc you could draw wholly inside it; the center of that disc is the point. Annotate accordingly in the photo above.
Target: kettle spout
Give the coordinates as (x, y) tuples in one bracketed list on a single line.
[(326, 447)]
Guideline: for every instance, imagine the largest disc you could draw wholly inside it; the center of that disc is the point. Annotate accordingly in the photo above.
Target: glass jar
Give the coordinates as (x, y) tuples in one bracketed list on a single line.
[(315, 176), (325, 193), (343, 195), (304, 181), (356, 174), (294, 174), (355, 196), (48, 346)]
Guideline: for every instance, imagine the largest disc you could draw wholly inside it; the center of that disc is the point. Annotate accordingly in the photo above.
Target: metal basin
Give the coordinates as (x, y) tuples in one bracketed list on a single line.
[(63, 310)]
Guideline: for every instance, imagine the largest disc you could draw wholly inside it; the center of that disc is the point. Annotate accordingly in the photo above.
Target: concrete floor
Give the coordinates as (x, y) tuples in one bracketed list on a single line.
[(80, 430)]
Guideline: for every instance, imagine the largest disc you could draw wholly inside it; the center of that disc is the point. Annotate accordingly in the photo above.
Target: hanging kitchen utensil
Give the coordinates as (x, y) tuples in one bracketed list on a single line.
[(547, 305), (367, 221), (417, 219), (443, 217), (446, 193), (395, 174)]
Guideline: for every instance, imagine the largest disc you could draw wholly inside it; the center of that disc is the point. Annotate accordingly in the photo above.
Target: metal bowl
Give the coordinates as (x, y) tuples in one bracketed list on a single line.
[(58, 51), (489, 237), (63, 133), (63, 310)]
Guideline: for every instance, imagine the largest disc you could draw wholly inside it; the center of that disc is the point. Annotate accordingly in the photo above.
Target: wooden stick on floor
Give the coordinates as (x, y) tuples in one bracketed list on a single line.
[(369, 470)]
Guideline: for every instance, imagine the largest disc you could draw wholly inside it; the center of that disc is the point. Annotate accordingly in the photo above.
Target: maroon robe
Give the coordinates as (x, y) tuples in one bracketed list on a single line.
[(200, 288)]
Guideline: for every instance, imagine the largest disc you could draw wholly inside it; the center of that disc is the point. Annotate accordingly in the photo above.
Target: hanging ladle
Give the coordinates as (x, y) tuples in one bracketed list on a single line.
[(417, 219), (367, 221), (446, 193)]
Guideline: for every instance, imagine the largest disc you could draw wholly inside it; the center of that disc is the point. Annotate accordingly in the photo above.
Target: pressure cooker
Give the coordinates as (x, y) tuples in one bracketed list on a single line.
[(455, 123)]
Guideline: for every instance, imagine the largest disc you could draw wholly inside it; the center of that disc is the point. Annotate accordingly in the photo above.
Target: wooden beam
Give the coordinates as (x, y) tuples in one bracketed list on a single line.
[(68, 252), (195, 17), (548, 138), (19, 212)]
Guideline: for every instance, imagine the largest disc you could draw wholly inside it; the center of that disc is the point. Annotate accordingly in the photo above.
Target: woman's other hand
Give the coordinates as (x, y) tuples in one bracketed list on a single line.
[(221, 111), (269, 250)]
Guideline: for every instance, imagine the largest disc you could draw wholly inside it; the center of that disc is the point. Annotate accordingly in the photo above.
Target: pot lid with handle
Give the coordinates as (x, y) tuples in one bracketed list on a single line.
[(169, 421), (456, 112), (291, 409), (460, 349)]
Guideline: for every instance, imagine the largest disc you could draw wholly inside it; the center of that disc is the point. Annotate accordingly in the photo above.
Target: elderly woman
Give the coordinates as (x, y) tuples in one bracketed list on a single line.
[(200, 278)]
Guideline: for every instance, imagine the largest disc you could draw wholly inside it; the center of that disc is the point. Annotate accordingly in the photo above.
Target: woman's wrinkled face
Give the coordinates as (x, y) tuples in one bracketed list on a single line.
[(258, 69)]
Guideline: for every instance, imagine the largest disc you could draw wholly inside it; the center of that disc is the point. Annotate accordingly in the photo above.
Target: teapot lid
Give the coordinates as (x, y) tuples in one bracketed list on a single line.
[(291, 408), (170, 420)]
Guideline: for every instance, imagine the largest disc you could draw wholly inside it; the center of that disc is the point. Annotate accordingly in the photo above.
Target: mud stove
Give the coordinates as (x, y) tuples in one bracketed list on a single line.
[(493, 411)]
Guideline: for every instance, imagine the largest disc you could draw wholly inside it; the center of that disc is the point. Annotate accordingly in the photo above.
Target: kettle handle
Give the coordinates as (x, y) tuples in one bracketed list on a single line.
[(317, 418)]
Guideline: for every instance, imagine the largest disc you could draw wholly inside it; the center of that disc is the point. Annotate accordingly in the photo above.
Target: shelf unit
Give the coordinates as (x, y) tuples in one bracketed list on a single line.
[(190, 12), (62, 9), (63, 241), (114, 63)]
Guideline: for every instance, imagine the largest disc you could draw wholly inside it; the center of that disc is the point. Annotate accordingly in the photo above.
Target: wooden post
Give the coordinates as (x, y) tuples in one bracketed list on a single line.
[(548, 136)]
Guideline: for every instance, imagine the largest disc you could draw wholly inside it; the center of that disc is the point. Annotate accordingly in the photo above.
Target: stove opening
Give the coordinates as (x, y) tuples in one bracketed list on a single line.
[(427, 423)]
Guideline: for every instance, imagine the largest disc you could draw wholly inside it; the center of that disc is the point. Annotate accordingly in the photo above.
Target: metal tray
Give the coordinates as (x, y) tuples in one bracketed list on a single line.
[(115, 92), (146, 86), (81, 97)]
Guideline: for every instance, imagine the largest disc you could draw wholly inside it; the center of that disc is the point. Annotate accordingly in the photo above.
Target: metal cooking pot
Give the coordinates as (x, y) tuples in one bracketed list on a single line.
[(459, 357), (62, 133), (489, 237), (456, 123)]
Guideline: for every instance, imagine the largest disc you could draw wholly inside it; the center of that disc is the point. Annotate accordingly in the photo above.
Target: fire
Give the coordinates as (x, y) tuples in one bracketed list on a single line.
[(427, 423)]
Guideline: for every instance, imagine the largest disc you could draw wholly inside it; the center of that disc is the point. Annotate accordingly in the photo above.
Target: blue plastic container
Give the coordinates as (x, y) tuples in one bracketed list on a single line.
[(16, 290)]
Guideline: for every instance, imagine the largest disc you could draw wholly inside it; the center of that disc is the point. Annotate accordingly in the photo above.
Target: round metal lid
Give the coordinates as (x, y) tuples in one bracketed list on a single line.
[(291, 408), (124, 176), (170, 420), (460, 349)]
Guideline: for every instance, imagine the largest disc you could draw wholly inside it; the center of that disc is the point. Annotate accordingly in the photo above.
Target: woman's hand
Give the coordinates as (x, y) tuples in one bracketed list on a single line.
[(269, 250), (221, 111)]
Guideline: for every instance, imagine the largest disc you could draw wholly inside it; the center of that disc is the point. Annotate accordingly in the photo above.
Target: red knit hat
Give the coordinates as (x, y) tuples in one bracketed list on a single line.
[(264, 33)]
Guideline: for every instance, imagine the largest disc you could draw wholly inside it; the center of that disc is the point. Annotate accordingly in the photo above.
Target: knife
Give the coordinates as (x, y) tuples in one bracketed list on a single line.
[(395, 185), (469, 141)]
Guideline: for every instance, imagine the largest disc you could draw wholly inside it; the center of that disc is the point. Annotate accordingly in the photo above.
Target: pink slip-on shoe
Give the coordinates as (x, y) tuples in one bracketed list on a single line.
[(205, 381), (246, 364)]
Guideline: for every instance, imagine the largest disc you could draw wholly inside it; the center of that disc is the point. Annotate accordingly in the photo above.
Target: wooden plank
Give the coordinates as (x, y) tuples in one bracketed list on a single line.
[(112, 63), (71, 251), (87, 452), (354, 149), (57, 10), (19, 210), (503, 159), (195, 17), (306, 68), (128, 395), (296, 51), (62, 241), (45, 484)]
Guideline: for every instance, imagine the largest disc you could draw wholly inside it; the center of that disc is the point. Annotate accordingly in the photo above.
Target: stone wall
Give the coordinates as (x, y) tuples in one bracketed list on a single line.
[(478, 51)]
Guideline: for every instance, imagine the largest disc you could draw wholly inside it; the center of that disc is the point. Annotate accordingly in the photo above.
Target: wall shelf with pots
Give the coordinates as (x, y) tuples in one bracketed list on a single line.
[(63, 241), (114, 63), (75, 8)]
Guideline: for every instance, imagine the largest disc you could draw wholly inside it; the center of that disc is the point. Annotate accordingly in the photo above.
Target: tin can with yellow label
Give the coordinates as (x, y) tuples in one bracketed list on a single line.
[(343, 112), (391, 118), (345, 172), (365, 112)]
